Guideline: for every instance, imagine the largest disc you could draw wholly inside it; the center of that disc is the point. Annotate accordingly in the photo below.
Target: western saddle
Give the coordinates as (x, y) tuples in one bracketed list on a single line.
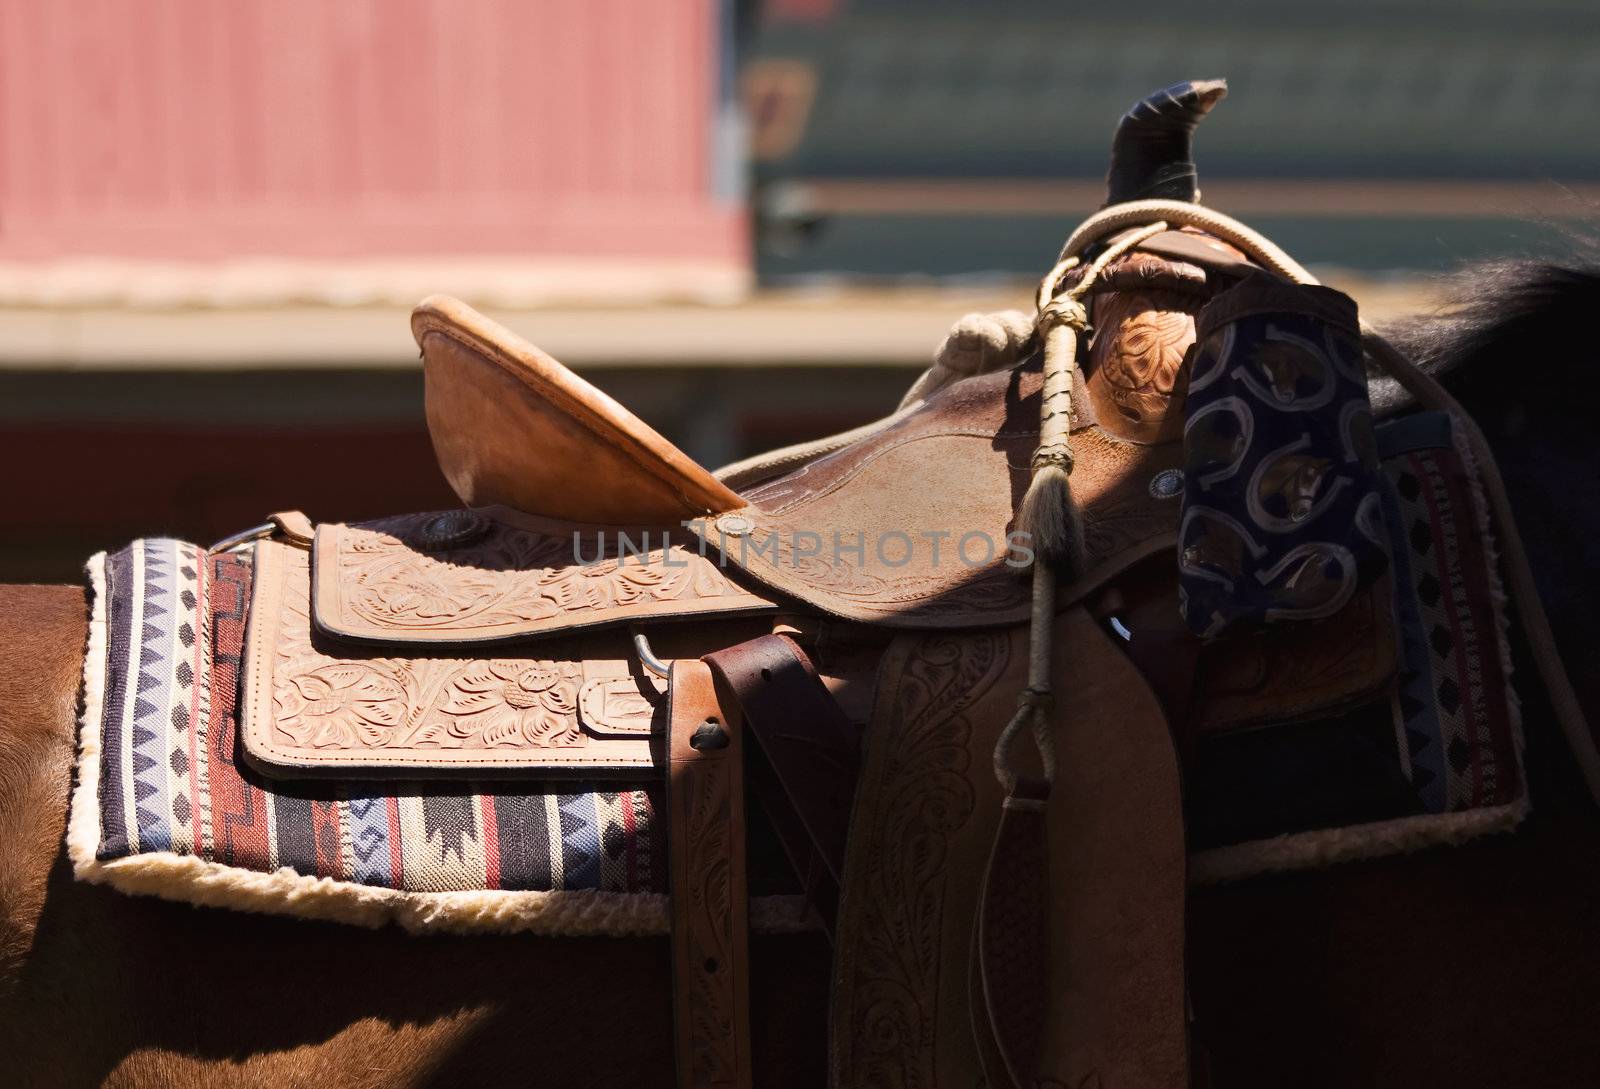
[(866, 634)]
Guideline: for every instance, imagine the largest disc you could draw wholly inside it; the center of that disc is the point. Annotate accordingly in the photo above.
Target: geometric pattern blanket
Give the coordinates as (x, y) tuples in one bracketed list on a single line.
[(164, 805), (1437, 760)]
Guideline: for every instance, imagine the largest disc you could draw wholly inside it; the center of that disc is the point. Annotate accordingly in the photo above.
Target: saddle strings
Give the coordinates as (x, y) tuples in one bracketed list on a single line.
[(1034, 703)]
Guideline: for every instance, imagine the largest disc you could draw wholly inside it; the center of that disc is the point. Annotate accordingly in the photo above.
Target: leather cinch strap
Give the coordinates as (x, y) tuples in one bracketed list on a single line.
[(710, 939), (804, 759)]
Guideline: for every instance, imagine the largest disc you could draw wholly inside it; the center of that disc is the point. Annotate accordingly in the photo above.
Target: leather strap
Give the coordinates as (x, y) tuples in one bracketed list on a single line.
[(1198, 250), (804, 760), (710, 939)]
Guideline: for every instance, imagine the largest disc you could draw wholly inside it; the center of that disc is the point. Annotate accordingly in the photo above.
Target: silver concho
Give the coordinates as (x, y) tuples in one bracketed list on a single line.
[(1167, 484), (451, 529), (734, 525)]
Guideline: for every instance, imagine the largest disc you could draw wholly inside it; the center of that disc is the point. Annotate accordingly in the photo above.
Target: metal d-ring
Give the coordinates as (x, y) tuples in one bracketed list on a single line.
[(255, 533), (647, 657)]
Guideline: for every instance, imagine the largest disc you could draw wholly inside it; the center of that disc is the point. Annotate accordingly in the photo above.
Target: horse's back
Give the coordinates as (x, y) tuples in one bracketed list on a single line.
[(100, 988), (42, 633)]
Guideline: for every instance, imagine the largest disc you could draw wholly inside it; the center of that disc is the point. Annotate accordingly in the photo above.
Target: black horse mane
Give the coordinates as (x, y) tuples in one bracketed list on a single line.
[(1509, 310)]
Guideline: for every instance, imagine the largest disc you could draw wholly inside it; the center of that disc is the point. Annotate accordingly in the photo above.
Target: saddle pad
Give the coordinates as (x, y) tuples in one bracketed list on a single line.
[(1438, 758), (165, 806)]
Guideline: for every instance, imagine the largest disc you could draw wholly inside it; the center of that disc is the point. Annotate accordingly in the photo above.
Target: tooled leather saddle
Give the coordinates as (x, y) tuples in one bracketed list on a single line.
[(842, 631)]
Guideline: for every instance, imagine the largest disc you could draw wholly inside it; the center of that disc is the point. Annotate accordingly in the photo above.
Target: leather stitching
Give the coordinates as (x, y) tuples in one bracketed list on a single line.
[(261, 638), (341, 621)]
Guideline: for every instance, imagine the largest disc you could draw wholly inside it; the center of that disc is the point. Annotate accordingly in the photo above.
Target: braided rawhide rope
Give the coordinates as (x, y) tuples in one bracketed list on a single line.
[(1049, 517)]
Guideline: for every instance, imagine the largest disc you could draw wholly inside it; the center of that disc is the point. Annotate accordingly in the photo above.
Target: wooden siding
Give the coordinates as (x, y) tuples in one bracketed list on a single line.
[(190, 130)]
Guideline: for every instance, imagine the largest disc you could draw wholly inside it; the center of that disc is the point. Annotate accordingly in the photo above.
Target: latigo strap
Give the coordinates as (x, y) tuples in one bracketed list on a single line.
[(710, 939), (804, 761)]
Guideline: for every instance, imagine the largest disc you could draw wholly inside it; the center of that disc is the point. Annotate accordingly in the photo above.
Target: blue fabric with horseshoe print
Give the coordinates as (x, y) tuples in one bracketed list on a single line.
[(1281, 517)]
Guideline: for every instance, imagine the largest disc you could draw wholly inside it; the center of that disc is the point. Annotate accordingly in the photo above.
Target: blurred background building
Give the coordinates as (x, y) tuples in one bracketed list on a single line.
[(750, 221)]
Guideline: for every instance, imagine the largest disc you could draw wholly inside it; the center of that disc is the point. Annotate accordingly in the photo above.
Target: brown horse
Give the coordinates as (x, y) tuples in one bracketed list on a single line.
[(1476, 965)]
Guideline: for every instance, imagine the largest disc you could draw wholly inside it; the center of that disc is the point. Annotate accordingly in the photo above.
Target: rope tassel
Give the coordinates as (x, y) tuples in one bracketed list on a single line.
[(1049, 515)]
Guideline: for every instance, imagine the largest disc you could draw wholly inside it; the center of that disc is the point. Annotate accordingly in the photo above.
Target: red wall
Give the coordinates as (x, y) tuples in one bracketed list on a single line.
[(198, 129)]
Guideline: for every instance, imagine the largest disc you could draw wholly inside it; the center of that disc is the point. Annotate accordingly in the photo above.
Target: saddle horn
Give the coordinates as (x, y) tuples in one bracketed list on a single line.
[(1152, 154)]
